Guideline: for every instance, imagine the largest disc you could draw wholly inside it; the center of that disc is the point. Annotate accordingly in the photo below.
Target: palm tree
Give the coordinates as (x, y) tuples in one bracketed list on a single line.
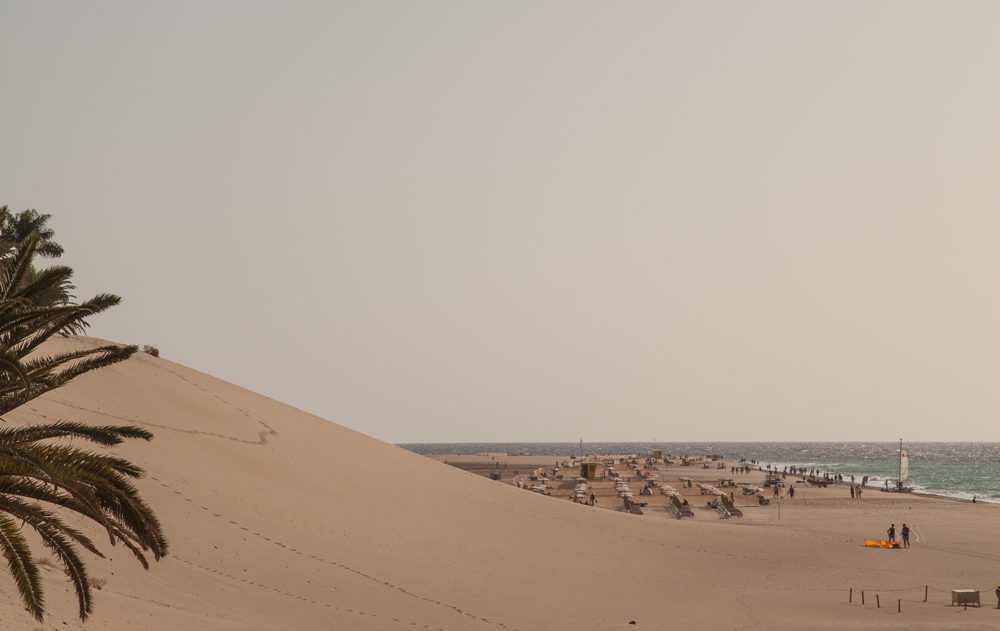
[(41, 479), (14, 230)]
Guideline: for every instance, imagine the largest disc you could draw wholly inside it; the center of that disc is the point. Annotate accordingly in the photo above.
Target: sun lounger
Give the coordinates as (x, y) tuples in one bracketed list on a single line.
[(728, 503), (628, 506), (685, 511), (717, 505)]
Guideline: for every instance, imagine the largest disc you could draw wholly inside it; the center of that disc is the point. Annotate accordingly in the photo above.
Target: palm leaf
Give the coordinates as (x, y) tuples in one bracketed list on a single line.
[(22, 567)]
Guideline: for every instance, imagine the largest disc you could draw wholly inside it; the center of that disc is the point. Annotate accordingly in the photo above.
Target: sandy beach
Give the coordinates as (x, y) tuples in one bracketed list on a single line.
[(278, 519)]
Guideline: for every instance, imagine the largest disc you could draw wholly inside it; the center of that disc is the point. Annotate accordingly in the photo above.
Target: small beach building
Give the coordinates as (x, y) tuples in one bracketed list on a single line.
[(658, 454), (588, 470)]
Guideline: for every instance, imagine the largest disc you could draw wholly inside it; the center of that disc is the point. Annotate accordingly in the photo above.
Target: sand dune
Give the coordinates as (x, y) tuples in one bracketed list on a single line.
[(281, 520)]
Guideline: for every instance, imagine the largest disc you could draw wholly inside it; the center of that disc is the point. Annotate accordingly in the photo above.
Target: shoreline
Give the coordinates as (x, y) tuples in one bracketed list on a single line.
[(875, 478)]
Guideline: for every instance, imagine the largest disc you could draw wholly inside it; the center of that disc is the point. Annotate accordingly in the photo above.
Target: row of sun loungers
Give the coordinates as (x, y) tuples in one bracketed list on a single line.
[(677, 508), (580, 490)]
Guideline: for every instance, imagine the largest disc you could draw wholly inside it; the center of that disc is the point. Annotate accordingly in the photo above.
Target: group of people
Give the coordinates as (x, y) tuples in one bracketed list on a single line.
[(856, 491), (815, 473), (904, 532), (778, 492)]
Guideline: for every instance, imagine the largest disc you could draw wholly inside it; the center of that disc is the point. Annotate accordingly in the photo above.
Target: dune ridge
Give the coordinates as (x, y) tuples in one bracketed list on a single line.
[(278, 519)]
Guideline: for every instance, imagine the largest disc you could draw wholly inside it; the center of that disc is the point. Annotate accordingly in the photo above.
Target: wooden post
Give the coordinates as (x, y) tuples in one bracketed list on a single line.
[(850, 595), (925, 593), (862, 596), (899, 606), (878, 603)]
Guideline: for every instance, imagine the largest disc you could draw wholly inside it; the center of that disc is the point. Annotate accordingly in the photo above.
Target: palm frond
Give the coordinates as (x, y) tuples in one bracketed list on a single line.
[(16, 266), (57, 537), (22, 567), (107, 435)]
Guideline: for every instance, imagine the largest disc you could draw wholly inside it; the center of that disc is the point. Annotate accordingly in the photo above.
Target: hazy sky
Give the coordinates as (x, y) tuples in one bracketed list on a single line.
[(534, 221)]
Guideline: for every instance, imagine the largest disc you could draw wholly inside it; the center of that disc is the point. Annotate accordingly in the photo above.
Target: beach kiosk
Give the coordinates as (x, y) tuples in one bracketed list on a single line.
[(658, 454), (588, 470)]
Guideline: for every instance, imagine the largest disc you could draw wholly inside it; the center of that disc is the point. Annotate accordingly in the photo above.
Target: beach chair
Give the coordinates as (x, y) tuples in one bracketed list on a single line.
[(685, 511), (630, 507), (717, 505), (728, 503)]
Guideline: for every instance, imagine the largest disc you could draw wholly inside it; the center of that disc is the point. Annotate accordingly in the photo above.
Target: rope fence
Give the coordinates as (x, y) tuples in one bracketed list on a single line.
[(855, 595)]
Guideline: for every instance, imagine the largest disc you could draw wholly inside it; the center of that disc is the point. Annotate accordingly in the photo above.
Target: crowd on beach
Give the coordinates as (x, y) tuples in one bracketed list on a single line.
[(816, 474)]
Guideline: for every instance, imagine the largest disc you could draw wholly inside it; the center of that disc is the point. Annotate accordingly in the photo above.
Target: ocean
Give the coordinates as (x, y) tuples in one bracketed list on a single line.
[(959, 470)]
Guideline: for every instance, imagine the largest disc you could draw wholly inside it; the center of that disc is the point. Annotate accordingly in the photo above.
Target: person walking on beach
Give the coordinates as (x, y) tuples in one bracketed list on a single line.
[(852, 491), (593, 499), (905, 531), (892, 532)]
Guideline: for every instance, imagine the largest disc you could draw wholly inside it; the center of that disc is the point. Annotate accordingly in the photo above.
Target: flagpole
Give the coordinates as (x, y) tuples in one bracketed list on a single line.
[(899, 475)]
